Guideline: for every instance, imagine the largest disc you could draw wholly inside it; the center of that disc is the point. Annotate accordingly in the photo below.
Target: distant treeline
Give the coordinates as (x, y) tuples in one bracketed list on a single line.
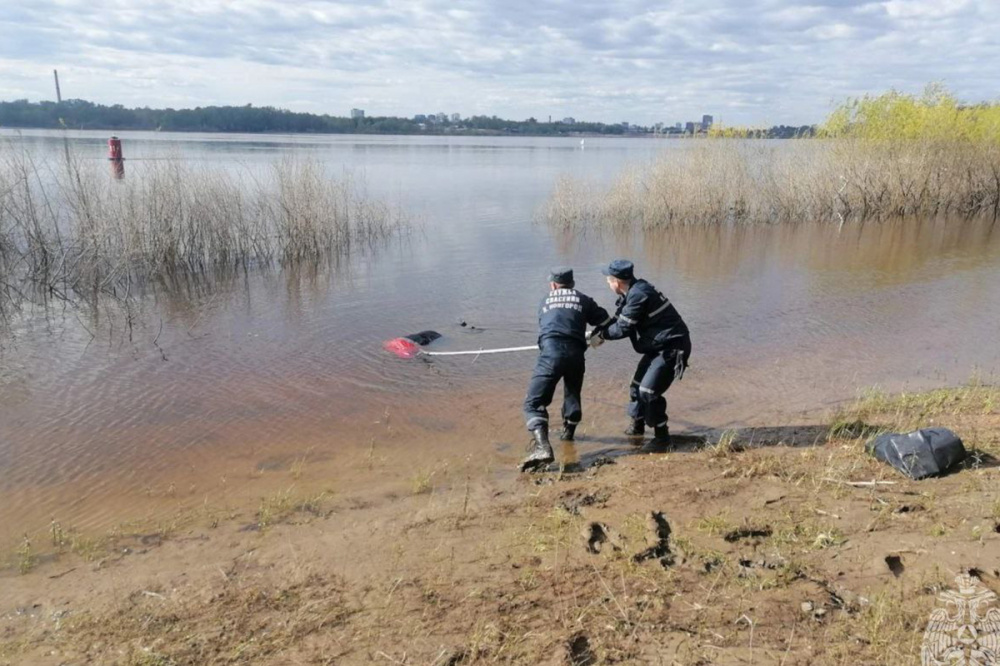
[(81, 114)]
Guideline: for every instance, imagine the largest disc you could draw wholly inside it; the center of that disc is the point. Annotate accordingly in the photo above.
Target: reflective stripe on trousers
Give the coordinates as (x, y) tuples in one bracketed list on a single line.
[(556, 362), (654, 374)]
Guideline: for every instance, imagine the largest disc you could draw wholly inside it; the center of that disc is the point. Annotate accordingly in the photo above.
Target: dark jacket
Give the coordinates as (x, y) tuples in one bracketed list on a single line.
[(564, 315), (649, 319)]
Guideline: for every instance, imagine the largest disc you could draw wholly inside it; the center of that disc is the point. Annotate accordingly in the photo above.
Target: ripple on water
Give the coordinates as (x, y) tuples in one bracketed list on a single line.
[(260, 371)]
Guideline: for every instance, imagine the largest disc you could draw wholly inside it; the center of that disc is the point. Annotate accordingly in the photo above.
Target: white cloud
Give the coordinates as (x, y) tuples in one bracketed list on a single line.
[(831, 31), (926, 9), (758, 61)]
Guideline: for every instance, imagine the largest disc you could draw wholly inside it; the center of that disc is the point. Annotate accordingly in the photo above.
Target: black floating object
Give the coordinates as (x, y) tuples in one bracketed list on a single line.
[(423, 337)]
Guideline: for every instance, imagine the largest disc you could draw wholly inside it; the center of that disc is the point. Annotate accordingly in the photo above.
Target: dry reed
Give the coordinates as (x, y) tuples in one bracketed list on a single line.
[(731, 181), (71, 230)]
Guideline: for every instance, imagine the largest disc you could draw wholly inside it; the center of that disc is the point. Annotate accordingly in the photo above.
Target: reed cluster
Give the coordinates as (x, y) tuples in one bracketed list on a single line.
[(876, 158), (71, 229)]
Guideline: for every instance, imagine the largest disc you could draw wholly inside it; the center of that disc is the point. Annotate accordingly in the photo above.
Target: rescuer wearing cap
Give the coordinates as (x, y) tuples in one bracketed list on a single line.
[(562, 340), (650, 321)]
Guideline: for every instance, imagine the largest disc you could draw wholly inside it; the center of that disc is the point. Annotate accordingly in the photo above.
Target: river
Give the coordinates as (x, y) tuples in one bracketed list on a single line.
[(233, 389)]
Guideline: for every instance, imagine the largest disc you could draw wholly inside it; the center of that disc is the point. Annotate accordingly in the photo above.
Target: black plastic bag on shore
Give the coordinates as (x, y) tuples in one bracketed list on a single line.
[(926, 452)]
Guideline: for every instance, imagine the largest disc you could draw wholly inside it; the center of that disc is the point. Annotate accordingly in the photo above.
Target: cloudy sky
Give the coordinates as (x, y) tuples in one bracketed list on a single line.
[(745, 61)]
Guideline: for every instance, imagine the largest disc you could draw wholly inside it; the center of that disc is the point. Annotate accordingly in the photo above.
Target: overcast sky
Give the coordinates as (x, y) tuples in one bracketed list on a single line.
[(745, 62)]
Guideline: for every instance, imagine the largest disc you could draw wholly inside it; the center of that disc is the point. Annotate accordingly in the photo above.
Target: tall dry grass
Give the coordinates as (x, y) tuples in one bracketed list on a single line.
[(883, 156), (809, 180), (68, 230)]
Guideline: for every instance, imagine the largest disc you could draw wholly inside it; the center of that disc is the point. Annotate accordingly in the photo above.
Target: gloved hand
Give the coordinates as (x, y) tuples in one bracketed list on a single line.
[(594, 338)]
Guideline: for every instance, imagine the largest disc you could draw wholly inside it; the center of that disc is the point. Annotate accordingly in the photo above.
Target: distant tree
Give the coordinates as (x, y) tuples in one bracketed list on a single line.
[(936, 114)]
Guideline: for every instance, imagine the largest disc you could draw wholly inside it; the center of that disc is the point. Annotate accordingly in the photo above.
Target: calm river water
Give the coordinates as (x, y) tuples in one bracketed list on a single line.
[(257, 375)]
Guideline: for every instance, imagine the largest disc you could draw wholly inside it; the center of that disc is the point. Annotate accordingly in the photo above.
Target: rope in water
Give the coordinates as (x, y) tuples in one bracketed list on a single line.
[(480, 351)]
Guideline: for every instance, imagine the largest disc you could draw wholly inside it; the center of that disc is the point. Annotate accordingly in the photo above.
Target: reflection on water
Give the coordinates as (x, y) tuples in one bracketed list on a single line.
[(875, 254), (250, 373)]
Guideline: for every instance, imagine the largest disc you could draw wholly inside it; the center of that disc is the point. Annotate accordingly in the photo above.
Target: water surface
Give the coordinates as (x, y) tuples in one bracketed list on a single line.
[(249, 374)]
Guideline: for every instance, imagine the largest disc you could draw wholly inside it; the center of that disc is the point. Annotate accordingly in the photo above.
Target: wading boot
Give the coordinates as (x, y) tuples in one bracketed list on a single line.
[(635, 431), (568, 432), (539, 450), (660, 442)]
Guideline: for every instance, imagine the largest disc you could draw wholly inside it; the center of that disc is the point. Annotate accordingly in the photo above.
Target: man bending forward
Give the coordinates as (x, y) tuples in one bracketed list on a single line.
[(562, 340)]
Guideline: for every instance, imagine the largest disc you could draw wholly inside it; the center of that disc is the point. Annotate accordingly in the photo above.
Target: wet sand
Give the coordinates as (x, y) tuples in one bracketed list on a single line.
[(770, 556)]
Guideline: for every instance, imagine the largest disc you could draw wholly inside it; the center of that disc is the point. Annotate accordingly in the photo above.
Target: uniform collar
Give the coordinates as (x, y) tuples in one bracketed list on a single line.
[(622, 298)]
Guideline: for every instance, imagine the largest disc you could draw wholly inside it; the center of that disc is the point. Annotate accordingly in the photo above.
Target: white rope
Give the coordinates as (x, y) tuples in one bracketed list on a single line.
[(481, 351)]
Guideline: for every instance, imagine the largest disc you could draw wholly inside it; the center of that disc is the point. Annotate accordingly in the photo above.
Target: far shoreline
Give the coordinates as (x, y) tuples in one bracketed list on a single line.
[(484, 133)]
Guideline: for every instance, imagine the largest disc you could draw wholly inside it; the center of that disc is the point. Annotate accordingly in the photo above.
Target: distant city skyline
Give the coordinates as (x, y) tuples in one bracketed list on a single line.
[(756, 62), (706, 122), (703, 125)]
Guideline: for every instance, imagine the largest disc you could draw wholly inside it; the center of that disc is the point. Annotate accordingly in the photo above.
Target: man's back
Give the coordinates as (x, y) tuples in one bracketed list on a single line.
[(565, 313)]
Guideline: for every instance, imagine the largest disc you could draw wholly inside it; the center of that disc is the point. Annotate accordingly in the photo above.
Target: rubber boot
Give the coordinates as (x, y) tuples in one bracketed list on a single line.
[(539, 450), (660, 442), (636, 430), (568, 432)]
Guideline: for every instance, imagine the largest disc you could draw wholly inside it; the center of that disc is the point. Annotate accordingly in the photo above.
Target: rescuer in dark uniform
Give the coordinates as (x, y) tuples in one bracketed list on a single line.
[(562, 340), (650, 321)]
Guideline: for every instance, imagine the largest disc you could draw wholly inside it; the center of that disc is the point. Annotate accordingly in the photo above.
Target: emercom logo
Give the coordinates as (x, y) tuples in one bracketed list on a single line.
[(965, 631)]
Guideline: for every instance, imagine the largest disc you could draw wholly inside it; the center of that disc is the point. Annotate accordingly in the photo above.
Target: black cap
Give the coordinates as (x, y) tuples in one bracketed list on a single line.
[(623, 269), (561, 275)]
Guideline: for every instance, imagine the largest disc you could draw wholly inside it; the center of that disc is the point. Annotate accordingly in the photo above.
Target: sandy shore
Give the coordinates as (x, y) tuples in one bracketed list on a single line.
[(752, 548)]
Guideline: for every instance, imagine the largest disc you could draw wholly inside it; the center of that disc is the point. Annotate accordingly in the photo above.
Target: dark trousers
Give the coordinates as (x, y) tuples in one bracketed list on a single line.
[(653, 376), (556, 361)]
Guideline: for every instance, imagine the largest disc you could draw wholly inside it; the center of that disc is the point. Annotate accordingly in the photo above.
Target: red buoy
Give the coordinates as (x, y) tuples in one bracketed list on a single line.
[(115, 149), (116, 158)]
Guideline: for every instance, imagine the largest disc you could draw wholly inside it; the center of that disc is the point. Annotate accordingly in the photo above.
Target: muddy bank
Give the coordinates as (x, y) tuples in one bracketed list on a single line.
[(754, 548)]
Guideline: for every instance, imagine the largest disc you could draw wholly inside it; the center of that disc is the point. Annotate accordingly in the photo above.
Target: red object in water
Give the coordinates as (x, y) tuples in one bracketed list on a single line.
[(115, 148), (402, 347)]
